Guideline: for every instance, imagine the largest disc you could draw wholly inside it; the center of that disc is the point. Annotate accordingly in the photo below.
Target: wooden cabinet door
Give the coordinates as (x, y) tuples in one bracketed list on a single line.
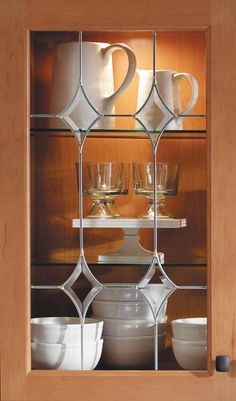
[(18, 18)]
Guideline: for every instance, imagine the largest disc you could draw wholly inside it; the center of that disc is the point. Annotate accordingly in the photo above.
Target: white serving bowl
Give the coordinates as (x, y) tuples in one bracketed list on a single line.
[(130, 328), (65, 329), (130, 352), (190, 355), (124, 310), (65, 356), (123, 293), (192, 329)]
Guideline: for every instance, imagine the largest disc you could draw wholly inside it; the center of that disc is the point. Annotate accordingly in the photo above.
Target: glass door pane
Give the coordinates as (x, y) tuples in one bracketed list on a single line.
[(118, 190)]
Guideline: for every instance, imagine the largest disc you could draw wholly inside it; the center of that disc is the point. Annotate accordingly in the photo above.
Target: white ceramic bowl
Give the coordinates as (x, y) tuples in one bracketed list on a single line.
[(65, 356), (123, 293), (192, 329), (190, 355), (65, 330), (130, 352), (124, 310), (130, 328)]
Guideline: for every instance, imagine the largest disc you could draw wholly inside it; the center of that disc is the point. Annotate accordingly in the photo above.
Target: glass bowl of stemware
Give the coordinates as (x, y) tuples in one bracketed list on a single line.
[(166, 185), (103, 182)]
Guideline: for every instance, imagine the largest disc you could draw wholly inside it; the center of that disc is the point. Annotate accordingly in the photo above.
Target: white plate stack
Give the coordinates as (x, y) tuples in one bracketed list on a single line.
[(56, 343), (129, 325), (189, 342)]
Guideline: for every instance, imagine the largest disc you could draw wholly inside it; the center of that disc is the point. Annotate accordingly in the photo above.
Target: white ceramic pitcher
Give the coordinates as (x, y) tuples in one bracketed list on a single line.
[(154, 114), (97, 79)]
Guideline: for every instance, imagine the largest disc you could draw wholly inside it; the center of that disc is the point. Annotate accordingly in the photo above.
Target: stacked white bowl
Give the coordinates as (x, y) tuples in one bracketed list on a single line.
[(129, 325), (189, 342), (56, 343)]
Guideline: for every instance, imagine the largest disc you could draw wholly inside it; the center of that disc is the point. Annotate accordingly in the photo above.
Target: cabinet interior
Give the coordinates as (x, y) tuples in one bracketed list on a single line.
[(54, 193)]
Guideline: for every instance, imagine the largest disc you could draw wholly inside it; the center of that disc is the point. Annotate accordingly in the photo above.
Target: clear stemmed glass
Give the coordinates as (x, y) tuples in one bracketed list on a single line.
[(166, 185), (103, 181)]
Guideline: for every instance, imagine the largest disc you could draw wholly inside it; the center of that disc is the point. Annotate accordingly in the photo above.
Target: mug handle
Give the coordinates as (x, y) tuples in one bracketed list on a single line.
[(107, 52), (194, 85)]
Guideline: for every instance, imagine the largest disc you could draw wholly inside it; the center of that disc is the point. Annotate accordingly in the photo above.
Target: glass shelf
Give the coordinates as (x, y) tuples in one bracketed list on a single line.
[(129, 223), (120, 133)]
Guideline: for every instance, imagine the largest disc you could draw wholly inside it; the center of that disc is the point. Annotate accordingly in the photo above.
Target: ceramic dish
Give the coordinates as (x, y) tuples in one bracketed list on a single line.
[(192, 329), (190, 355), (129, 294), (66, 356), (130, 328), (130, 352), (125, 310), (65, 329)]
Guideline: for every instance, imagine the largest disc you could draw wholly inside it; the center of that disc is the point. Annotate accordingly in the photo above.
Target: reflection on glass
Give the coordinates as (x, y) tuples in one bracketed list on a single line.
[(166, 185), (103, 182)]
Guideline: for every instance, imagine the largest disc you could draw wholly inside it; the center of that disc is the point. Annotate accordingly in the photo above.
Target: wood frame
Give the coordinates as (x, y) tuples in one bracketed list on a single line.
[(18, 17)]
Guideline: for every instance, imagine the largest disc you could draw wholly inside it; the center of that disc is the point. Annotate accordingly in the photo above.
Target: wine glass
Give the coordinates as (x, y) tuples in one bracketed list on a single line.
[(103, 181), (166, 185)]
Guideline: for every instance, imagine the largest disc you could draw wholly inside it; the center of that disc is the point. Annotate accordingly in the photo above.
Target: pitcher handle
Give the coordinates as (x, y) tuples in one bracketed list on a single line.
[(194, 85), (106, 52)]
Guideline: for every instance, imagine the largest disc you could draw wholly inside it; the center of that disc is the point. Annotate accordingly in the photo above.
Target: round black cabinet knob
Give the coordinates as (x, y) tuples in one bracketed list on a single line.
[(222, 363)]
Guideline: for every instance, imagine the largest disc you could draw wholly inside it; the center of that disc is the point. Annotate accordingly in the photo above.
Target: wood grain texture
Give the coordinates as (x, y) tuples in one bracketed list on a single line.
[(14, 173), (110, 16), (120, 386), (223, 170), (194, 386)]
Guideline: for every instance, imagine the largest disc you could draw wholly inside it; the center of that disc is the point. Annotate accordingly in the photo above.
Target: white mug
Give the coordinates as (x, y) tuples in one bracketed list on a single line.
[(154, 114), (97, 79)]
